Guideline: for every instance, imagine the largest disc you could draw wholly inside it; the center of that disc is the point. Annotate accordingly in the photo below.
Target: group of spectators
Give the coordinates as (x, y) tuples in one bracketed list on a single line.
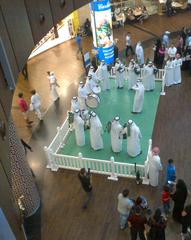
[(164, 49), (137, 215)]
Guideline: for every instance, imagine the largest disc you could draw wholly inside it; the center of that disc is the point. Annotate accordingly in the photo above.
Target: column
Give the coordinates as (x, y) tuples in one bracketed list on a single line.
[(22, 181), (101, 22)]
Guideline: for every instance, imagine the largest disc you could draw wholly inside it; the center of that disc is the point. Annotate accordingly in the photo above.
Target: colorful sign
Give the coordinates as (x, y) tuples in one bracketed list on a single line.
[(102, 30)]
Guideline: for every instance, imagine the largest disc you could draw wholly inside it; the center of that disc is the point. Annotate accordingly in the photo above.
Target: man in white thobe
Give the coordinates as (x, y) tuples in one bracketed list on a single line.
[(78, 126), (103, 75), (119, 73), (82, 95), (36, 104), (153, 166), (177, 69), (53, 85), (74, 104), (169, 73), (149, 77), (116, 135), (133, 75), (133, 139), (139, 53), (90, 84), (93, 74), (172, 51), (139, 97), (96, 132)]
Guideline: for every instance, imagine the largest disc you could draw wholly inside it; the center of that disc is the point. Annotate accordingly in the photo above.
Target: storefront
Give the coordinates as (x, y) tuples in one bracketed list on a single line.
[(66, 30)]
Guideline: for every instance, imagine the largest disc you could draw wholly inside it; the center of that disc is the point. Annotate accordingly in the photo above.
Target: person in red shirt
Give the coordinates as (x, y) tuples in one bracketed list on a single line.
[(137, 223), (24, 108), (166, 199)]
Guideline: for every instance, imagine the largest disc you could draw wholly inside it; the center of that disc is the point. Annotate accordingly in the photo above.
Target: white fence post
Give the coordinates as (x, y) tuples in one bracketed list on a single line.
[(51, 163), (163, 84), (146, 179), (113, 175), (80, 156)]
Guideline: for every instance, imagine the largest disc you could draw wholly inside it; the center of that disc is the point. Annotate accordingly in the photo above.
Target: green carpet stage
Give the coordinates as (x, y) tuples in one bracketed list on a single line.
[(119, 102)]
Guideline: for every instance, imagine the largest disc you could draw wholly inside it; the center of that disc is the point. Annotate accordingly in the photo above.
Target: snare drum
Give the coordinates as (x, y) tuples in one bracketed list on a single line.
[(96, 89), (92, 101)]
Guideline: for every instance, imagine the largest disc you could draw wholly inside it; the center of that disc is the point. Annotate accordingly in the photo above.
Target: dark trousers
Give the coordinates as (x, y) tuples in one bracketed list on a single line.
[(135, 233), (127, 50)]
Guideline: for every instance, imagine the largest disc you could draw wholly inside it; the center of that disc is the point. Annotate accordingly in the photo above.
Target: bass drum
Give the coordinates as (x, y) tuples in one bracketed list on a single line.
[(92, 101)]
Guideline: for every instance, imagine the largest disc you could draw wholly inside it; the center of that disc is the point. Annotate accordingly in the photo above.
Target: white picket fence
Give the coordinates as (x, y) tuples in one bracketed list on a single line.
[(160, 76), (100, 166), (107, 167)]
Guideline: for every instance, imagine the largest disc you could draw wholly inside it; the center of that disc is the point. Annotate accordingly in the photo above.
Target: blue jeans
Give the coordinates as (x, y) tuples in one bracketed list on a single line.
[(123, 220), (166, 207)]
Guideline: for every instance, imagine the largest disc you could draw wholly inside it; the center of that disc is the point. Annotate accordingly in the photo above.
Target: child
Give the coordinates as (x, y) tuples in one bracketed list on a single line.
[(166, 199), (171, 171)]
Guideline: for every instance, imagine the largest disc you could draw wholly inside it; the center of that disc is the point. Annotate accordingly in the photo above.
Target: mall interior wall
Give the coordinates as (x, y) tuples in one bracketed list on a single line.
[(22, 25)]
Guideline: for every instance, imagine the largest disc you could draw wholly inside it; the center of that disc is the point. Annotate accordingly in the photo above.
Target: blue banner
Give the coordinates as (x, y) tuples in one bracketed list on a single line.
[(102, 30)]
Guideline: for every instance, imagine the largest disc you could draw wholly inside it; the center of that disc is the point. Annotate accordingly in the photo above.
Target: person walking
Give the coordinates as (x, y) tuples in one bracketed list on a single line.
[(137, 223), (36, 104), (166, 200), (157, 226), (124, 206), (179, 198), (24, 108), (103, 76), (149, 76), (53, 85), (170, 172), (86, 183), (79, 45), (128, 43)]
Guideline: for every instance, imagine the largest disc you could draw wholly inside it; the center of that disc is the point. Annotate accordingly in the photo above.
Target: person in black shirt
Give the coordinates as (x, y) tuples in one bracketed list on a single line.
[(85, 179)]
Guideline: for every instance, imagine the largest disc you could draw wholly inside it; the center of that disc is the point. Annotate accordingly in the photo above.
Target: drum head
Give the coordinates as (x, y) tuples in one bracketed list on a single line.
[(92, 101)]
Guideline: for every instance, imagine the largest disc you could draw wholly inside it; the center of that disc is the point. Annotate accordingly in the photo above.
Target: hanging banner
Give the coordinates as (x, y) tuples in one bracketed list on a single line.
[(102, 30)]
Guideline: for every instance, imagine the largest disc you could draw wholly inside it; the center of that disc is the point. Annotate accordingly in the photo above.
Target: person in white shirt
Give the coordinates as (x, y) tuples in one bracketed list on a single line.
[(36, 104), (133, 73), (139, 53), (172, 51), (103, 75), (128, 42), (177, 69), (153, 166), (53, 85), (75, 104), (124, 207), (119, 73), (169, 72), (149, 77), (116, 135), (139, 97), (82, 95), (78, 125), (133, 139)]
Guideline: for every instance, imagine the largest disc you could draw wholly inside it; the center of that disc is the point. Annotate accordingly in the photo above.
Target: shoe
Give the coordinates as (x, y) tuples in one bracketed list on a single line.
[(84, 207), (134, 112), (29, 125)]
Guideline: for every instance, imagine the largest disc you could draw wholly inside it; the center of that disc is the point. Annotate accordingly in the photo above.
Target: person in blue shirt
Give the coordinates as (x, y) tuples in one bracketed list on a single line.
[(171, 171), (79, 43), (166, 39)]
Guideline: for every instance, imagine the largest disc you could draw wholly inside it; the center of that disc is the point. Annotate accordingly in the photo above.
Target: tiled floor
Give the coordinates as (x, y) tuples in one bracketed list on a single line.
[(61, 195)]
